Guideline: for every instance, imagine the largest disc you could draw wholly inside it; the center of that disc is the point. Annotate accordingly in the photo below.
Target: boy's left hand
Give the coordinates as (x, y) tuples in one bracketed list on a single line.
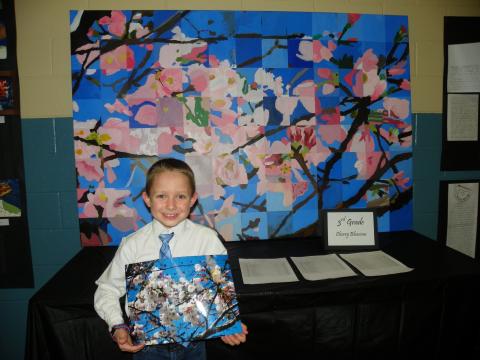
[(236, 339)]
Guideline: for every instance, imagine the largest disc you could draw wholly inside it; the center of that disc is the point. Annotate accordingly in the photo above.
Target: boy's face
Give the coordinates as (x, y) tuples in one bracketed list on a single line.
[(170, 198)]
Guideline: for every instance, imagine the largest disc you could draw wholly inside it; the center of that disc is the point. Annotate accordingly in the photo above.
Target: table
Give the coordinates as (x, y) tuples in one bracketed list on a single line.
[(432, 311)]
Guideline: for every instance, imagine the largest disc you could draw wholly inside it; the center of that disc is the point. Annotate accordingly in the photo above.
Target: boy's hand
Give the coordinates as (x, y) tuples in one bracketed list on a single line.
[(124, 341), (236, 339)]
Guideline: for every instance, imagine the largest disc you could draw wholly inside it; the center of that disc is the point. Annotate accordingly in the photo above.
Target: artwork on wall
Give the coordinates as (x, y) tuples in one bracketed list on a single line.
[(14, 236), (280, 115), (10, 202), (8, 93)]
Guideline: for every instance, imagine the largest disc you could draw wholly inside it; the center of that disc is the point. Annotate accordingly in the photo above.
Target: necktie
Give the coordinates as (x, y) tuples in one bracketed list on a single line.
[(165, 249)]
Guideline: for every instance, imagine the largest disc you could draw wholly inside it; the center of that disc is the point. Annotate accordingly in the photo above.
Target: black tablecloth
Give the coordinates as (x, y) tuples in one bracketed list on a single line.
[(432, 311)]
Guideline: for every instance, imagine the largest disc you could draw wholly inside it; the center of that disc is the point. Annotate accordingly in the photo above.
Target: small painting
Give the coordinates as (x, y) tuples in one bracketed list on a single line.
[(10, 202)]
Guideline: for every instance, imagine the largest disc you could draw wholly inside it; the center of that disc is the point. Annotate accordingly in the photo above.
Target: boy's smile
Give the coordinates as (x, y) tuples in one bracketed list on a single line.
[(170, 198)]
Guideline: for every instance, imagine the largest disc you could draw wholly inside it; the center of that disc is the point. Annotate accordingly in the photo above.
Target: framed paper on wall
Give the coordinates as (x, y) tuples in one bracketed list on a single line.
[(352, 229), (458, 225)]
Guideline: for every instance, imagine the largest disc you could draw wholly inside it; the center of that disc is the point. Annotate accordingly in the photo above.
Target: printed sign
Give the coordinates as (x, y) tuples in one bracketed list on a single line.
[(352, 229)]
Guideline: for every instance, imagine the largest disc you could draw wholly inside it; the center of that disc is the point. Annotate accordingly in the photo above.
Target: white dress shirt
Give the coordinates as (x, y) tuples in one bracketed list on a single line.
[(189, 239)]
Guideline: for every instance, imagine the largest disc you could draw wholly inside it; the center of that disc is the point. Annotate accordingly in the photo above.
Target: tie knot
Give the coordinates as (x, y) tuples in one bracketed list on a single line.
[(165, 252), (166, 237)]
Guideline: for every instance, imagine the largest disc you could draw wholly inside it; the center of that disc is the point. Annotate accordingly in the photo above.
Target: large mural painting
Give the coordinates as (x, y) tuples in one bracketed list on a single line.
[(280, 115)]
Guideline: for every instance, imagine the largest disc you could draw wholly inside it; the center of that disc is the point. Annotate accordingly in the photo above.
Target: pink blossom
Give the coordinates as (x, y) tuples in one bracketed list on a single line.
[(222, 106), (366, 84), (315, 51), (405, 84), (331, 133), (299, 189), (228, 171), (90, 169), (181, 51), (324, 73), (397, 69), (321, 52), (213, 61), (362, 141), (197, 54), (227, 210), (117, 106), (226, 117), (328, 88), (400, 180), (111, 201), (286, 105), (116, 23), (199, 77), (367, 163), (223, 81), (397, 108), (121, 58), (368, 62), (304, 136), (150, 91), (88, 53), (166, 141), (205, 139), (116, 134), (147, 115), (171, 79), (306, 88), (331, 115), (305, 49)]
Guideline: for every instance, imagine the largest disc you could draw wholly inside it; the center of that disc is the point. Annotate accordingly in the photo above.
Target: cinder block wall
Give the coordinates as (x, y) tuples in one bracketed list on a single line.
[(44, 68)]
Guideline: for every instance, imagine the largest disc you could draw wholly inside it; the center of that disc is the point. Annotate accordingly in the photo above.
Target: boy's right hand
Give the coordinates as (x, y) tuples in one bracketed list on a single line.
[(124, 341)]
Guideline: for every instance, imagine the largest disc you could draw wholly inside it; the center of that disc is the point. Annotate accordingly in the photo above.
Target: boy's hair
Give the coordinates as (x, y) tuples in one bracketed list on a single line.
[(169, 164)]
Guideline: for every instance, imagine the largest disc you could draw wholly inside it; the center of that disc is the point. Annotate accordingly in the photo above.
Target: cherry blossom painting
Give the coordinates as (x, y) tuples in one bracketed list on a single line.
[(280, 115), (181, 299)]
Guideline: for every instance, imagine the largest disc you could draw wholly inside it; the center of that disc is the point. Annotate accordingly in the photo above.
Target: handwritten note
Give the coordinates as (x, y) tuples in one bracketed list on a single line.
[(463, 68), (462, 217), (462, 117)]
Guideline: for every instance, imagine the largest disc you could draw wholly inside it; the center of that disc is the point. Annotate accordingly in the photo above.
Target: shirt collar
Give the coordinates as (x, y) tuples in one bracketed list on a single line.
[(159, 228)]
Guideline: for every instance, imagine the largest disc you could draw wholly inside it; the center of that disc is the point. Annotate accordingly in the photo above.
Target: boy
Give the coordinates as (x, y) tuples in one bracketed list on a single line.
[(170, 194)]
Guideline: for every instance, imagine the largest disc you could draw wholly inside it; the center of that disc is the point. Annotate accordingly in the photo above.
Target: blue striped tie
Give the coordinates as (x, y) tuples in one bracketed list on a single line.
[(165, 249)]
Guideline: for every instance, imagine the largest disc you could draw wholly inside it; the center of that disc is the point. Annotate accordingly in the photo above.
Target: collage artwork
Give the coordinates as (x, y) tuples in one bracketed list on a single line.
[(280, 115)]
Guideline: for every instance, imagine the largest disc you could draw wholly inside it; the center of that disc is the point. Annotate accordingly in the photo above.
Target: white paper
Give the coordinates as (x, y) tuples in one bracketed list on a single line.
[(462, 117), (2, 119), (262, 271), (4, 222), (463, 68), (375, 263), (462, 217), (322, 267)]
